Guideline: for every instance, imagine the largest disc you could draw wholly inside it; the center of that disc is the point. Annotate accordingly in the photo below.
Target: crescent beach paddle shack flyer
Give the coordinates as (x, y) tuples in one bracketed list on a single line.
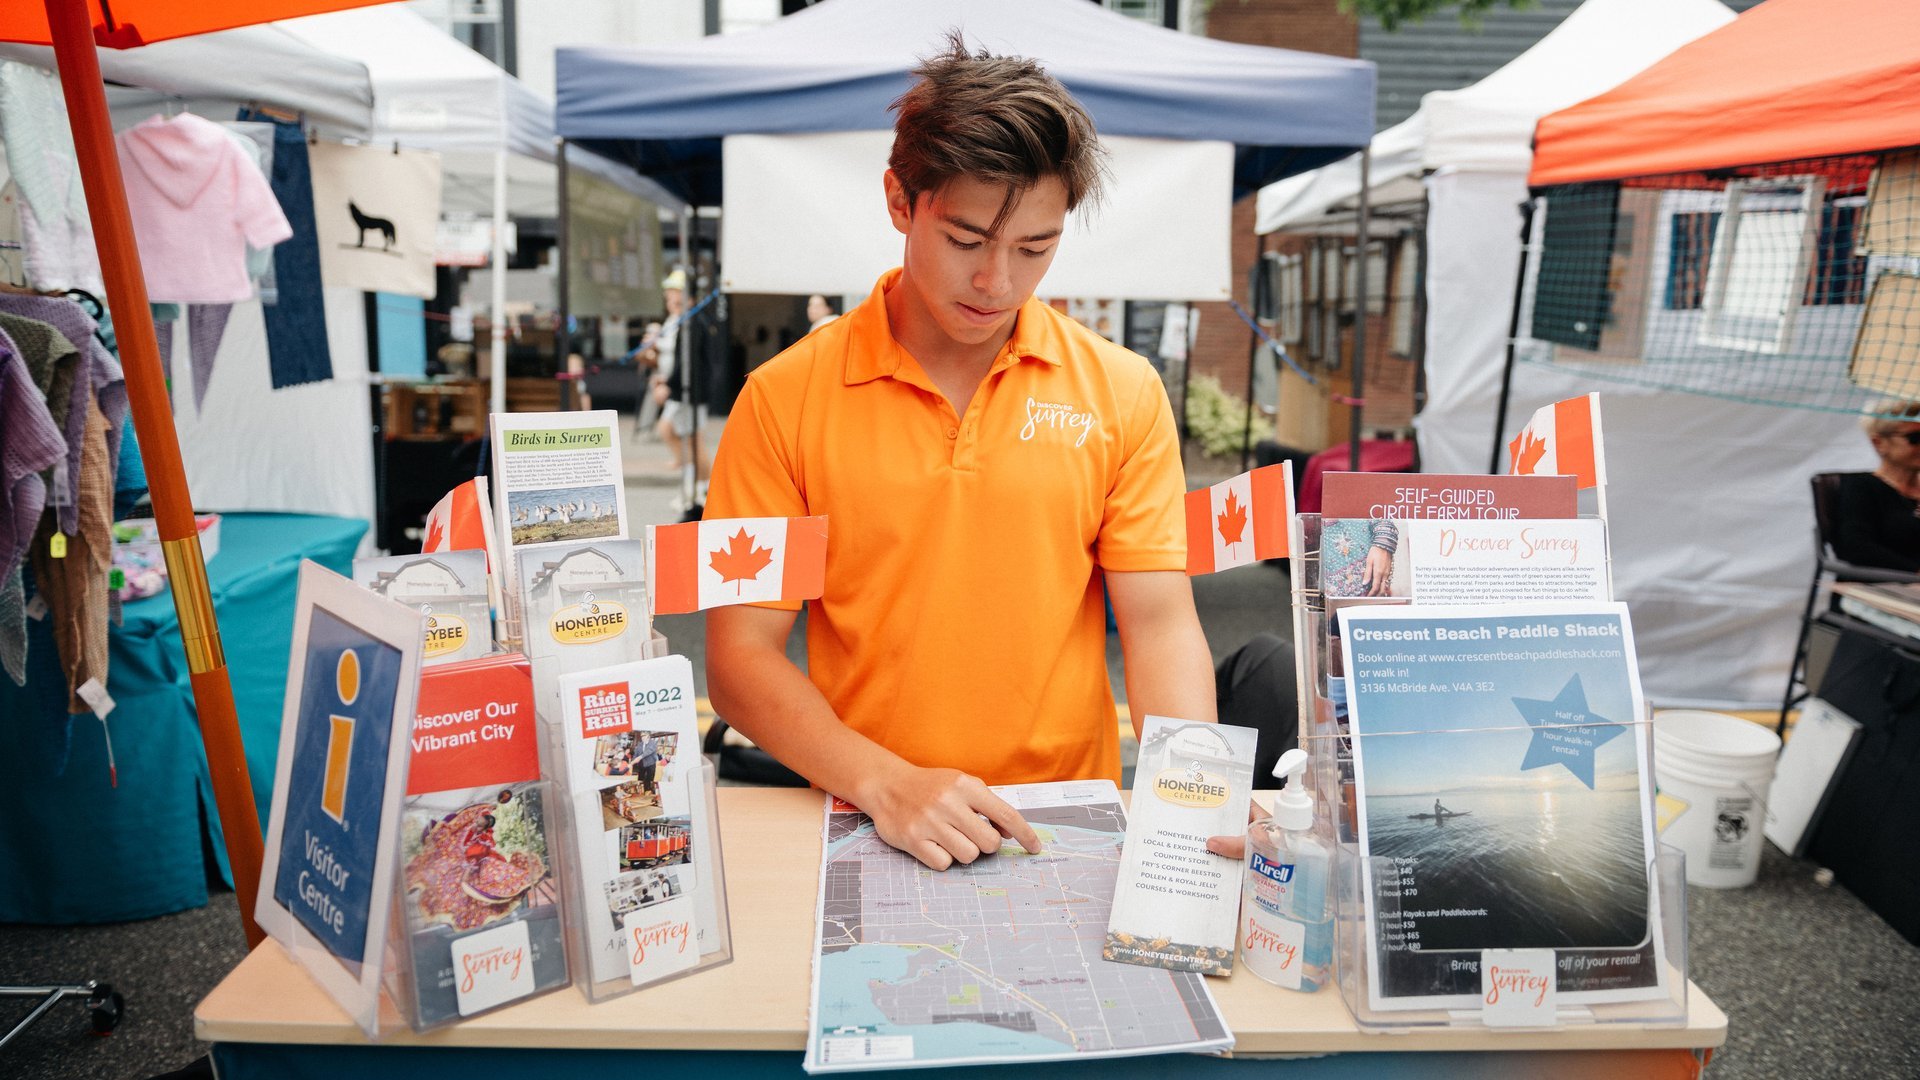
[(327, 881), (1501, 774)]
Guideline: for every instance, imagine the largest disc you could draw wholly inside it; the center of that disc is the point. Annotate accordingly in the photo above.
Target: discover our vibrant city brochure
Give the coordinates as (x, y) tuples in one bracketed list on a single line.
[(481, 924), (1502, 775)]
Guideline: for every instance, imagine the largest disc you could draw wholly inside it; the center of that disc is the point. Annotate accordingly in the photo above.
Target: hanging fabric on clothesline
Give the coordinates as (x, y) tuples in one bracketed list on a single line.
[(378, 214), (79, 381), (206, 325), (198, 203), (58, 235), (29, 442), (256, 140), (296, 319)]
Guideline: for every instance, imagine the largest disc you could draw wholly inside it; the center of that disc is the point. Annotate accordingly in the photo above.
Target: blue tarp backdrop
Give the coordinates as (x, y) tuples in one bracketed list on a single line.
[(837, 65)]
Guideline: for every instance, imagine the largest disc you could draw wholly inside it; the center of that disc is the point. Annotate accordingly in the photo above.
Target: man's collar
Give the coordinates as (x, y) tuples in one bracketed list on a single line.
[(874, 354)]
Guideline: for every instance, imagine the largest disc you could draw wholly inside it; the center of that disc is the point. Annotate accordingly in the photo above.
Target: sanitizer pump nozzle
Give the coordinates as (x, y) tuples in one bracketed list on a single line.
[(1293, 807)]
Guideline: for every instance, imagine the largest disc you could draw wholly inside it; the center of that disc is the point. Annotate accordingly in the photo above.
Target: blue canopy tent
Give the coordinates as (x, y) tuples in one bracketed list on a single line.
[(836, 66)]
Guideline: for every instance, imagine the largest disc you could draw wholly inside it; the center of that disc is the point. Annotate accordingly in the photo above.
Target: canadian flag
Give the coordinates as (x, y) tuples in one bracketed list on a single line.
[(461, 521), (1562, 439), (1239, 521), (705, 564)]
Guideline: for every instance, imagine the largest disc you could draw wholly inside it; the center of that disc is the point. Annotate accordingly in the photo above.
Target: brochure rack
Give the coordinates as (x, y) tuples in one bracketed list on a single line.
[(715, 941), (603, 913), (429, 976), (1326, 736)]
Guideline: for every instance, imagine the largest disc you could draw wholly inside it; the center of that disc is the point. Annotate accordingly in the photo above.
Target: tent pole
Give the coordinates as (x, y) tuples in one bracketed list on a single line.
[(1419, 338), (85, 94), (1360, 312), (1513, 336), (497, 365), (689, 367), (1254, 281), (562, 259), (1186, 374)]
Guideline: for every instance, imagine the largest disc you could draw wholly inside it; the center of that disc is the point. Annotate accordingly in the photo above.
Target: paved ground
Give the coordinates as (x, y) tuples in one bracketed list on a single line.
[(1814, 983)]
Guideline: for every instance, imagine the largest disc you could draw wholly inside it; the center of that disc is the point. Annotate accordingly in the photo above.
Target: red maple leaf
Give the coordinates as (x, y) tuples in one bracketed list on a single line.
[(1233, 520), (740, 560), (1528, 449)]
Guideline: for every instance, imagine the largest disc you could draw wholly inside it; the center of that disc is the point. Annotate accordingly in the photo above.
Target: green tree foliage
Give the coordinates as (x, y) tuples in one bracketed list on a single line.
[(1392, 13), (1217, 420)]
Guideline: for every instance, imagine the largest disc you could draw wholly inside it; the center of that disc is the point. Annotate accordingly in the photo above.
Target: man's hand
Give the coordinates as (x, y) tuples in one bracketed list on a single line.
[(934, 815), (1235, 847)]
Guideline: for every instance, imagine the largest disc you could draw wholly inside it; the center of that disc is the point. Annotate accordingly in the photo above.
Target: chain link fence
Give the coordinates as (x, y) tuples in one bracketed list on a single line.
[(1793, 284)]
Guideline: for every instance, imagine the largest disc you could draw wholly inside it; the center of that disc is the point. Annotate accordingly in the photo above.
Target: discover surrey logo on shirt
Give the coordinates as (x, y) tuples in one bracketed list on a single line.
[(1057, 416)]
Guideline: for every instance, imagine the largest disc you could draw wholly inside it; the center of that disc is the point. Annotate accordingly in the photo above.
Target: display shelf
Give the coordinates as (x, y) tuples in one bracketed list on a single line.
[(1330, 742)]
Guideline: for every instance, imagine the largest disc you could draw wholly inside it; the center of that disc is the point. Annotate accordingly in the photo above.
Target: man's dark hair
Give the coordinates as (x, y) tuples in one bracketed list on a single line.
[(998, 119)]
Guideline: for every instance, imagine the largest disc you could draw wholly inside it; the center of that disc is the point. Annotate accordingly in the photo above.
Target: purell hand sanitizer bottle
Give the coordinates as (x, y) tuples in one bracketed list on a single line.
[(1286, 923)]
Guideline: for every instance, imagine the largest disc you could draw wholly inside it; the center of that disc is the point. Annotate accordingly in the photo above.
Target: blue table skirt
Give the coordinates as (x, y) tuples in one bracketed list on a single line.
[(73, 848), (261, 1061)]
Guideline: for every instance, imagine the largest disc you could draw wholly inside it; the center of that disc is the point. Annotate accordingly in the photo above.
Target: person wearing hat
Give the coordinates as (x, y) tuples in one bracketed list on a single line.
[(991, 470), (676, 423)]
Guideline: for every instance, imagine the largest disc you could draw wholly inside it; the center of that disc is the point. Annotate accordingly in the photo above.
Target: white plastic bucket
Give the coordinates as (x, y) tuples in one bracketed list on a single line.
[(1714, 771)]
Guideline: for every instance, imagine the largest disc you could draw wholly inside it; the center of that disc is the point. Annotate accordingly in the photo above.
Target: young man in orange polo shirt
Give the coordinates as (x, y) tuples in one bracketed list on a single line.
[(987, 464)]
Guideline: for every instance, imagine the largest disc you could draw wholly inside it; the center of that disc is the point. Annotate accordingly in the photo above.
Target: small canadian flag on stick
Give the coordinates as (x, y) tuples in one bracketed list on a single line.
[(705, 564), (1562, 439), (461, 521), (1240, 521)]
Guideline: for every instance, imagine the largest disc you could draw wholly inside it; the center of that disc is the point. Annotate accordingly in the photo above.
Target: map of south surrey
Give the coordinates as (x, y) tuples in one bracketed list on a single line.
[(997, 961)]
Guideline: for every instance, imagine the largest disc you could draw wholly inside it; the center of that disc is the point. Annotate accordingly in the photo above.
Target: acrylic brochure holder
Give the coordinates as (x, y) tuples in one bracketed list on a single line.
[(662, 891), (1365, 890)]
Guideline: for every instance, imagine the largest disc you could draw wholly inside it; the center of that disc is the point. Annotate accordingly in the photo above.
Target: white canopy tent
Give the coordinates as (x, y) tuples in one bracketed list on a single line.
[(373, 75), (1159, 188), (431, 92), (1488, 126), (251, 65), (1701, 488)]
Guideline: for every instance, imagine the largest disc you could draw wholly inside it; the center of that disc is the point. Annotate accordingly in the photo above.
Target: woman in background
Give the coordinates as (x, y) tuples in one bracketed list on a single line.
[(1877, 514)]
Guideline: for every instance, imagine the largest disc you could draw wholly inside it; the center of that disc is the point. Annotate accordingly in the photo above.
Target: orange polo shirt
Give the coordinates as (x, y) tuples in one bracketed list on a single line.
[(962, 623)]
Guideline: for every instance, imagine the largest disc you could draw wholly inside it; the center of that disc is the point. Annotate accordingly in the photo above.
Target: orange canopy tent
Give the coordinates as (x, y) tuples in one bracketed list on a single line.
[(74, 28), (1788, 79)]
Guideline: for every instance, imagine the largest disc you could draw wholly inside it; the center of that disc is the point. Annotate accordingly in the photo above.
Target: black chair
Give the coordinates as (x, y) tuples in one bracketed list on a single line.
[(1826, 490), (741, 762)]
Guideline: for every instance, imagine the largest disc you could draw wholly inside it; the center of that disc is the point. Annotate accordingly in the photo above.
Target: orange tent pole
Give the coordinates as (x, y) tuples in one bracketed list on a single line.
[(73, 48)]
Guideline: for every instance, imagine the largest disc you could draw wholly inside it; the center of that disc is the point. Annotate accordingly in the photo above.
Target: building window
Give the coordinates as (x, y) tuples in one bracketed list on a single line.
[(1839, 276), (1149, 11)]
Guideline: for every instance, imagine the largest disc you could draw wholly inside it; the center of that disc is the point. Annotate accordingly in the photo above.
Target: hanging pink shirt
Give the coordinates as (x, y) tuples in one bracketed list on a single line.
[(197, 203)]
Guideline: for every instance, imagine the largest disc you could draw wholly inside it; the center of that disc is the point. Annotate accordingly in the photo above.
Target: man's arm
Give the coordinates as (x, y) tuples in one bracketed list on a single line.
[(1169, 669), (935, 815)]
